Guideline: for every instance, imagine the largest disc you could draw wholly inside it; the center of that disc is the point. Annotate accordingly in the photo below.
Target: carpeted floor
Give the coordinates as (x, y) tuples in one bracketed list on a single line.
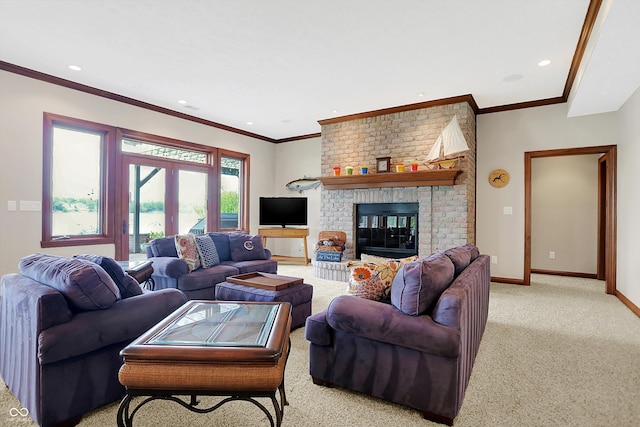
[(558, 353)]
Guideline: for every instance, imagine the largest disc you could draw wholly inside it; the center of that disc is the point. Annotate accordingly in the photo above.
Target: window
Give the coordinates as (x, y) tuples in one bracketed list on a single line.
[(105, 185), (76, 191), (233, 179)]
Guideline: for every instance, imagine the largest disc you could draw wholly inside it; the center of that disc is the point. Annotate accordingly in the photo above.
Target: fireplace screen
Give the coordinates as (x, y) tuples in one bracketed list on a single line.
[(387, 229)]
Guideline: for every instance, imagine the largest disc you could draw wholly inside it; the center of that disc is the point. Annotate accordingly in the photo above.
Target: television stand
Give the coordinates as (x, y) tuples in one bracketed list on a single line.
[(286, 233)]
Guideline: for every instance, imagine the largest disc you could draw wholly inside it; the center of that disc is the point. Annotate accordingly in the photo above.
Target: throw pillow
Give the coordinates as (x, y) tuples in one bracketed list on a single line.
[(164, 246), (120, 278), (186, 249), (246, 248), (375, 258), (418, 285), (372, 280), (207, 251), (460, 256), (221, 240), (84, 283)]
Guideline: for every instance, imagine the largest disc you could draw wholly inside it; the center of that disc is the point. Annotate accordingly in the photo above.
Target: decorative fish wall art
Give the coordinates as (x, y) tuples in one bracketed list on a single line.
[(303, 184)]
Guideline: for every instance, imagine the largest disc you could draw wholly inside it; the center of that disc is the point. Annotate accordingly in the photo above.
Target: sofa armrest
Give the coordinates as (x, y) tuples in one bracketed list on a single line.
[(124, 321), (167, 266), (317, 330), (383, 322)]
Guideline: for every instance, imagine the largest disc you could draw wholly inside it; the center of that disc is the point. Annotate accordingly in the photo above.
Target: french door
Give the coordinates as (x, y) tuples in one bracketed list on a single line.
[(161, 198)]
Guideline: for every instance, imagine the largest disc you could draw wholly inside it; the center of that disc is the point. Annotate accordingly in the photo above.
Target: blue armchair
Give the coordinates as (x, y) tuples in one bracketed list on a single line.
[(63, 323)]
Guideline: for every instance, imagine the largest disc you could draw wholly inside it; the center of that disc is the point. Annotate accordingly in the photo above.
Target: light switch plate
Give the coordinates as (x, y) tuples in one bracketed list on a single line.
[(508, 210), (12, 205)]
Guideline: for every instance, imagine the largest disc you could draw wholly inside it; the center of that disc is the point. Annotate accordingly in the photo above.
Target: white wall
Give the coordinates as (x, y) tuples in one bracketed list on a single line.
[(22, 103), (564, 213), (294, 160), (503, 138), (629, 198)]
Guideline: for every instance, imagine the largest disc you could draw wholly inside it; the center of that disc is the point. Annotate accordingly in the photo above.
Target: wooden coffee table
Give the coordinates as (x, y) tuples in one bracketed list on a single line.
[(234, 349)]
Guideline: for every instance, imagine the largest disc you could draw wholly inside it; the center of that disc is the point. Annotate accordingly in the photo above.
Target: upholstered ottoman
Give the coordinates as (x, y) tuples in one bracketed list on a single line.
[(299, 296)]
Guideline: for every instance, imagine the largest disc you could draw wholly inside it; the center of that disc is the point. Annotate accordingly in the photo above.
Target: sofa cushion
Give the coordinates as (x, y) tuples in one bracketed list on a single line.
[(473, 250), (245, 247), (127, 285), (163, 246), (93, 331), (84, 283), (205, 278), (418, 284), (186, 249), (264, 265), (221, 240), (460, 256), (207, 251)]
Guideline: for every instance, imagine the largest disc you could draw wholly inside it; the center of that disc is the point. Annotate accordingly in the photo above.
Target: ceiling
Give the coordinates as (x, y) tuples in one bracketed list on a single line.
[(274, 68)]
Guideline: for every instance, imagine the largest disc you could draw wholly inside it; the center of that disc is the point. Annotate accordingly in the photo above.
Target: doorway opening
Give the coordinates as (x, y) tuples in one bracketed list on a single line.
[(606, 210)]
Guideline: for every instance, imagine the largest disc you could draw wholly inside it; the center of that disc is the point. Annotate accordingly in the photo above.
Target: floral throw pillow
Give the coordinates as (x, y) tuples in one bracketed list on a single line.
[(187, 250), (372, 277), (372, 280)]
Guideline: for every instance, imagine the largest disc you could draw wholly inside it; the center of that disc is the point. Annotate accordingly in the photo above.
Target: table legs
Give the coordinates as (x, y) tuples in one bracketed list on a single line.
[(125, 416)]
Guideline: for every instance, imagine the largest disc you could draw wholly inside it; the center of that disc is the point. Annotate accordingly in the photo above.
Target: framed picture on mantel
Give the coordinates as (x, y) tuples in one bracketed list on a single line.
[(383, 164)]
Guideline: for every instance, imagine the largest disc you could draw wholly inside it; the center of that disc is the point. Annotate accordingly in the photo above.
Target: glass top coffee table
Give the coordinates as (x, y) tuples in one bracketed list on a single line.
[(213, 348)]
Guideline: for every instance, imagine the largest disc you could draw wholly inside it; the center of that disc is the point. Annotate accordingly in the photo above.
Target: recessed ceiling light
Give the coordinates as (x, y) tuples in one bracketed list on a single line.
[(249, 123), (544, 63), (75, 68), (182, 101), (420, 95), (334, 111)]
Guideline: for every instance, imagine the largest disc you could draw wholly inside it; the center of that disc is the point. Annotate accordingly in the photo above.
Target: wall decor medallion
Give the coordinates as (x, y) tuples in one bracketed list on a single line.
[(383, 164), (499, 178)]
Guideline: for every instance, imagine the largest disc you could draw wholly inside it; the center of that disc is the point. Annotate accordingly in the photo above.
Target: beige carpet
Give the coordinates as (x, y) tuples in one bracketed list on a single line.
[(558, 353)]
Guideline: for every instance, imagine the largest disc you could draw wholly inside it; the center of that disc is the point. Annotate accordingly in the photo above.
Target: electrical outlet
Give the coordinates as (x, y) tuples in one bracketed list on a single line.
[(494, 259), (552, 255)]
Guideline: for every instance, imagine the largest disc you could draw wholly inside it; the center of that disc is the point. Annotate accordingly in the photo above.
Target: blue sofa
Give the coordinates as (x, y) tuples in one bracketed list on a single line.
[(170, 271), (63, 323), (417, 351)]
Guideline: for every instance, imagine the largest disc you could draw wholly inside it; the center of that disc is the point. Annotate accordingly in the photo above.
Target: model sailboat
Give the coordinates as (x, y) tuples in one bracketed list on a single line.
[(445, 152)]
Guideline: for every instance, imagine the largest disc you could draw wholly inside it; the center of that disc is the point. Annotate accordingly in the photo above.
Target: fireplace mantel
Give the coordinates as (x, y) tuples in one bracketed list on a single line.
[(392, 179)]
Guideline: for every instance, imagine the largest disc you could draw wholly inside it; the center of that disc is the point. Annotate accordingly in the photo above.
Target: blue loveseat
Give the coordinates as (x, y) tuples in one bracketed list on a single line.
[(237, 253), (417, 351), (63, 323)]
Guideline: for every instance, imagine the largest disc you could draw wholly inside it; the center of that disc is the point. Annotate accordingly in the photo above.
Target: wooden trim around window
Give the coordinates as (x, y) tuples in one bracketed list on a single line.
[(244, 223), (107, 195)]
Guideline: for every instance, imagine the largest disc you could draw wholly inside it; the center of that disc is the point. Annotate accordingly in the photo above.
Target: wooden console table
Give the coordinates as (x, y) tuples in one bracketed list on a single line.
[(286, 233)]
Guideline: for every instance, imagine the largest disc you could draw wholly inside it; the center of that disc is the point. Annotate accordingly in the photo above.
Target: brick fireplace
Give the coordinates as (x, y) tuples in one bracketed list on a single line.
[(446, 213)]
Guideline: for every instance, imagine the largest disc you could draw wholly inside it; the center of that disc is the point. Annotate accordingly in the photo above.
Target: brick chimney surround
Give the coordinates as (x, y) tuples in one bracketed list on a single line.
[(446, 216)]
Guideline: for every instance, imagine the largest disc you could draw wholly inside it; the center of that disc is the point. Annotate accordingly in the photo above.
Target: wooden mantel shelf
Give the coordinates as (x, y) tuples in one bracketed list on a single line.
[(392, 179)]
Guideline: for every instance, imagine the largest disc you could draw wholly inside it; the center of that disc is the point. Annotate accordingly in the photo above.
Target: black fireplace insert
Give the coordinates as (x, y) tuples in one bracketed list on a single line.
[(387, 229)]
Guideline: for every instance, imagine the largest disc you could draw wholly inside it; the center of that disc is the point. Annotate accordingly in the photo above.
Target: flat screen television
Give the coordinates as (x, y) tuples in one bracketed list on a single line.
[(283, 211)]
